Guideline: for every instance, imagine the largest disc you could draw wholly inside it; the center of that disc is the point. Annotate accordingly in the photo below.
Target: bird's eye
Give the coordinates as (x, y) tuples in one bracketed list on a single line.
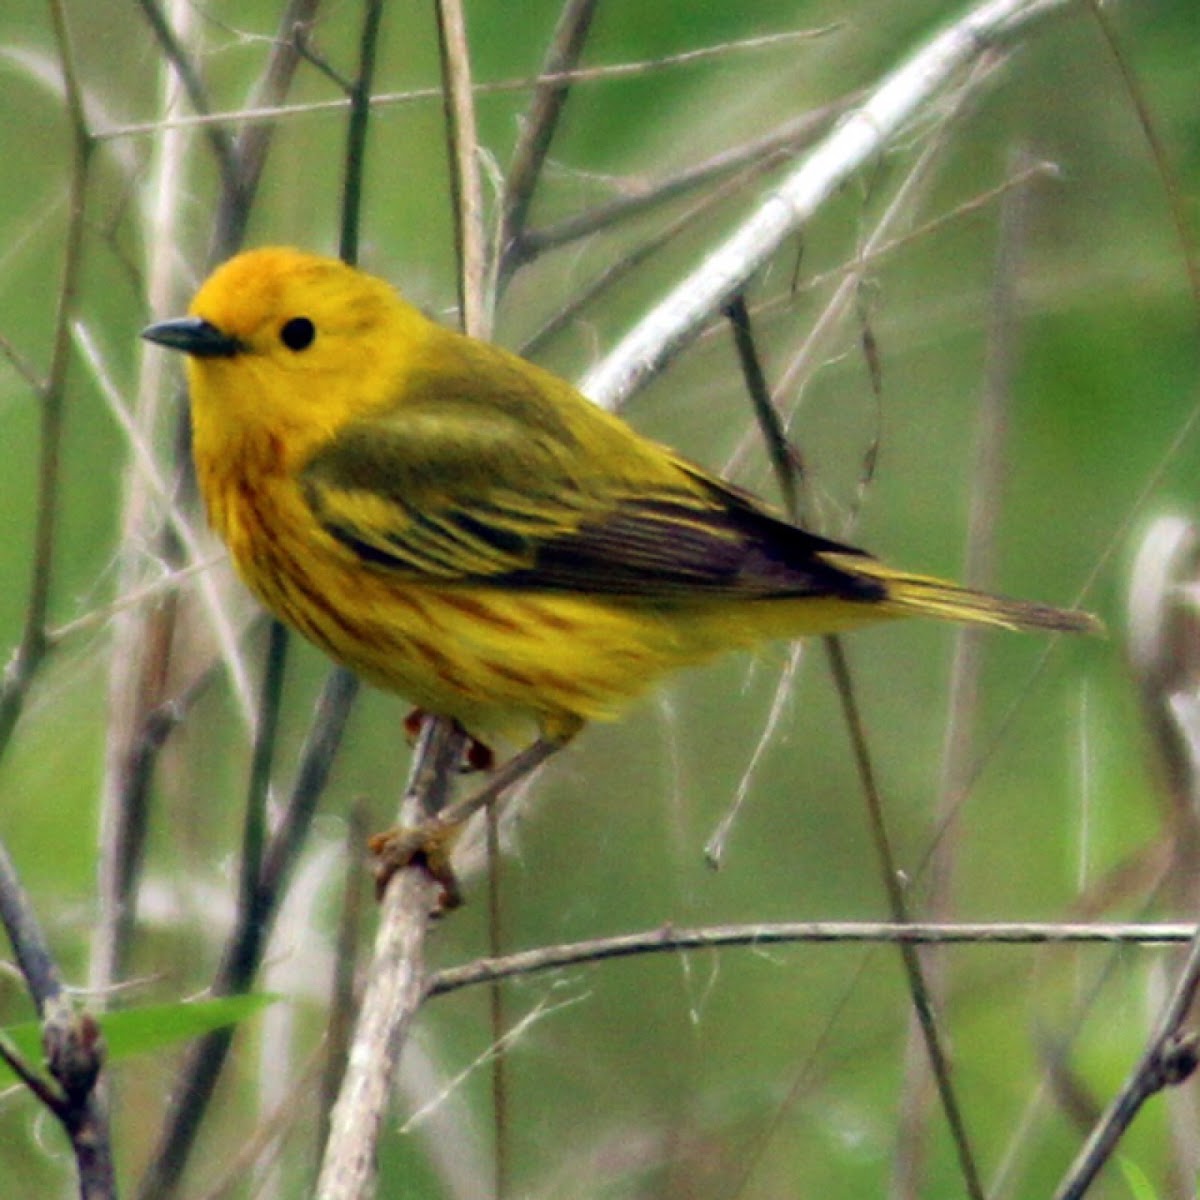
[(298, 333)]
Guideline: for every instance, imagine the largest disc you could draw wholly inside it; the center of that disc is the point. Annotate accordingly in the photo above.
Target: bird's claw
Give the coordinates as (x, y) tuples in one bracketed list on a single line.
[(428, 845)]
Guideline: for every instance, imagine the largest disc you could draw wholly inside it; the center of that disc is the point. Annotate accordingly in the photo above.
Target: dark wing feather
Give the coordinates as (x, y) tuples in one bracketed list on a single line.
[(457, 490)]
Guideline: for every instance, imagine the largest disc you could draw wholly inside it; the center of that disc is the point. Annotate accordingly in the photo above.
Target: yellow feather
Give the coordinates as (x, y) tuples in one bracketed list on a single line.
[(465, 529)]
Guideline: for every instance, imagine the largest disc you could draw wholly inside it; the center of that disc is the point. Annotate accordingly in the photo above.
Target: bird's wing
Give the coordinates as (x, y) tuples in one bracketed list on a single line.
[(452, 490)]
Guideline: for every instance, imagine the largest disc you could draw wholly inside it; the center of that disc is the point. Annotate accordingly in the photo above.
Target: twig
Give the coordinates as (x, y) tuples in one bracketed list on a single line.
[(624, 265), (246, 942), (34, 644), (1176, 202), (356, 131), (676, 320), (918, 990), (395, 985), (987, 474), (1170, 1057), (189, 77), (785, 459), (537, 129), (72, 1042), (475, 280), (272, 113), (143, 641), (343, 993), (636, 196), (254, 138), (668, 939), (21, 365)]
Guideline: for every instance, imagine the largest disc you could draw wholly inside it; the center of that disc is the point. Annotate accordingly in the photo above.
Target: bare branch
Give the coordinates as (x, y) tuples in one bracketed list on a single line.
[(898, 904), (72, 1042), (673, 323), (537, 129), (1171, 1056), (639, 195), (475, 294), (670, 939), (356, 131), (395, 985), (272, 113), (246, 941), (189, 77)]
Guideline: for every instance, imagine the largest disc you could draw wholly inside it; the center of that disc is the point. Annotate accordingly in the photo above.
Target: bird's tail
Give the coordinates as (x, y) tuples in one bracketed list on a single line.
[(922, 595)]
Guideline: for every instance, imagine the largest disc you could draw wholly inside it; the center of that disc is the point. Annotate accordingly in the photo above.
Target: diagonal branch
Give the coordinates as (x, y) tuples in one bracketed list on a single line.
[(677, 319), (1171, 1056), (638, 196), (537, 130), (189, 77)]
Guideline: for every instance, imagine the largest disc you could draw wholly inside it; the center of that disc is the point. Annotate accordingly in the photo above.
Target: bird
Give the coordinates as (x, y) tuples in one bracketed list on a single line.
[(466, 529)]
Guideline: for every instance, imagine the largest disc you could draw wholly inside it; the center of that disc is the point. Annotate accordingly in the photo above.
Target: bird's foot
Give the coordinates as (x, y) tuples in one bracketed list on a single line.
[(428, 845)]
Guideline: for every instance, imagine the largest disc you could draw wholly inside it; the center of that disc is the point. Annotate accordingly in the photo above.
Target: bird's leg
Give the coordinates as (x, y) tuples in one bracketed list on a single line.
[(478, 756), (431, 843)]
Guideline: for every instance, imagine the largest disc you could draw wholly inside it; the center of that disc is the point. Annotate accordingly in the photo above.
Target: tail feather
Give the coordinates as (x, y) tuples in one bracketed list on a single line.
[(922, 595)]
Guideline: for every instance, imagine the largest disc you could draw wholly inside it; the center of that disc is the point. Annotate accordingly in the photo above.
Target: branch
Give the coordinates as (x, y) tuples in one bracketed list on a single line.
[(668, 939), (73, 1046), (189, 77), (466, 187), (537, 129), (637, 195), (613, 71), (1171, 1056), (395, 985), (34, 643), (72, 1042), (923, 1003), (247, 940), (673, 324), (356, 131)]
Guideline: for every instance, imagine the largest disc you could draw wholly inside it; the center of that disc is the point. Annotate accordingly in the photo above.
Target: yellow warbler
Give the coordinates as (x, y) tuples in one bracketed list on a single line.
[(464, 528)]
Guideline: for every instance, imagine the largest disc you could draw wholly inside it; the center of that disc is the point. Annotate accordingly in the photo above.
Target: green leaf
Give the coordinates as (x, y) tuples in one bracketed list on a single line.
[(1136, 1179), (143, 1030)]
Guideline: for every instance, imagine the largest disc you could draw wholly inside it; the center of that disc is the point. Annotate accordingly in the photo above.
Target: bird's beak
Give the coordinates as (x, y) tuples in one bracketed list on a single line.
[(193, 335)]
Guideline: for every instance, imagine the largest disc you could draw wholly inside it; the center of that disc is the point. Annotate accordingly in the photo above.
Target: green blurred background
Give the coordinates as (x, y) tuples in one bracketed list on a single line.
[(710, 1074)]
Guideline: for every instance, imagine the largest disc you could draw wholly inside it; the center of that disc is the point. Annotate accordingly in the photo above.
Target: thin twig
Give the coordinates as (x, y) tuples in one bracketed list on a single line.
[(537, 129), (670, 939), (631, 259), (918, 990), (356, 131), (1176, 201), (1170, 1057), (272, 113), (189, 77), (987, 475), (254, 139), (344, 991), (477, 283), (34, 644), (73, 1046), (74, 1049), (466, 184), (21, 365), (639, 195), (144, 641), (785, 458), (247, 940)]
